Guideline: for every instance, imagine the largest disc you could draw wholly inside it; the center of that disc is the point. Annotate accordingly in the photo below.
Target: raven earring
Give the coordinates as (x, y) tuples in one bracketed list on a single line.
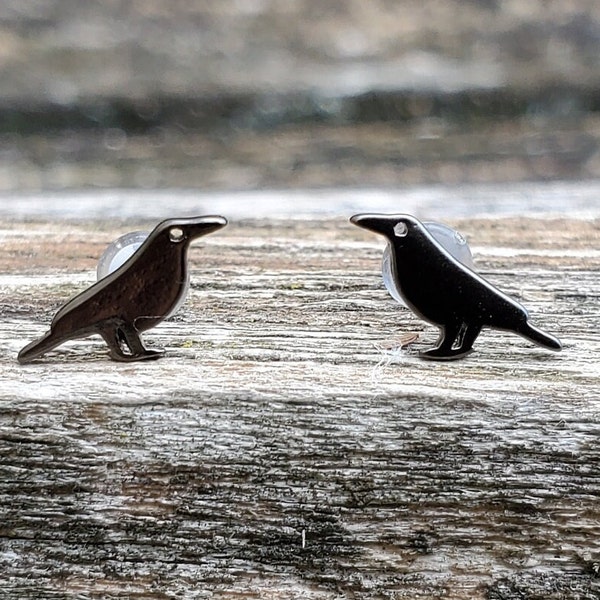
[(139, 288), (443, 290)]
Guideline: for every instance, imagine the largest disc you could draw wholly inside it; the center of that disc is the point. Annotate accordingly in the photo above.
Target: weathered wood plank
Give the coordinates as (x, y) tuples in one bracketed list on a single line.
[(286, 446)]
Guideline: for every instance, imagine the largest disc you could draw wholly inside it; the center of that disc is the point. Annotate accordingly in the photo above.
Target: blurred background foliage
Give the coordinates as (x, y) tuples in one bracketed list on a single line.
[(230, 94)]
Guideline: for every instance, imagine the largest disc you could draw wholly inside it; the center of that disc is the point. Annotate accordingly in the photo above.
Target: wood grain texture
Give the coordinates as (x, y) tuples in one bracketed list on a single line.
[(287, 447)]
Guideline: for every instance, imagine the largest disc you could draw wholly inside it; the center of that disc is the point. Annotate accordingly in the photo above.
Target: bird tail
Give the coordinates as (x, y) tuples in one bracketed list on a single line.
[(38, 347), (539, 337)]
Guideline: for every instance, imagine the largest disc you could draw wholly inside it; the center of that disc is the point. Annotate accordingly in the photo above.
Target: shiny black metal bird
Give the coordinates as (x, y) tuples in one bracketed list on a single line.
[(137, 296), (446, 293)]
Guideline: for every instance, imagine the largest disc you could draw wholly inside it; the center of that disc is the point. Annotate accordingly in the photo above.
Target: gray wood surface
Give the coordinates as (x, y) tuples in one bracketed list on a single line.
[(286, 446)]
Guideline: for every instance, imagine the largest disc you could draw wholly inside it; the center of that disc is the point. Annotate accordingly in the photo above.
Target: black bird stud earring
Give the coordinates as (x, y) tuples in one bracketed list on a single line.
[(135, 297), (446, 293)]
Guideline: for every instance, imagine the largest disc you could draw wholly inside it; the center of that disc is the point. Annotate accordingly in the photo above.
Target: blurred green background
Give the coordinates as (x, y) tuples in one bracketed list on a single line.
[(253, 94)]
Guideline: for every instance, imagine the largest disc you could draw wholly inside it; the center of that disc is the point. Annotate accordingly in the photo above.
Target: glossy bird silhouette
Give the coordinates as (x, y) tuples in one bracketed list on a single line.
[(446, 293), (137, 296)]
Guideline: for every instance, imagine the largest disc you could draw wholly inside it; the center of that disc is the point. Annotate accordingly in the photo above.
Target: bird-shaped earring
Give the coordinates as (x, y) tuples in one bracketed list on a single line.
[(443, 291), (131, 297)]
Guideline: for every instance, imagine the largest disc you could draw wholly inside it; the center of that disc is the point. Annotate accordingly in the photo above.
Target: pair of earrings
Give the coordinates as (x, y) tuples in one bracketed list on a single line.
[(428, 267)]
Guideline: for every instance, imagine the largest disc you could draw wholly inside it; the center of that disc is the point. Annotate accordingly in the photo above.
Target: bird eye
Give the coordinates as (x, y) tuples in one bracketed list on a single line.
[(176, 234), (400, 229)]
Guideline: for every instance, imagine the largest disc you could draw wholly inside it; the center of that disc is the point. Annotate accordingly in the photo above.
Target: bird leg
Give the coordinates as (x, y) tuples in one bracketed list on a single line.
[(125, 343), (451, 343), (469, 334)]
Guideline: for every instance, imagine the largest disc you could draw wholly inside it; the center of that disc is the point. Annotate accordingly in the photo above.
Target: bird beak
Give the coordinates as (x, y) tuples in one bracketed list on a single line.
[(204, 225), (375, 223)]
